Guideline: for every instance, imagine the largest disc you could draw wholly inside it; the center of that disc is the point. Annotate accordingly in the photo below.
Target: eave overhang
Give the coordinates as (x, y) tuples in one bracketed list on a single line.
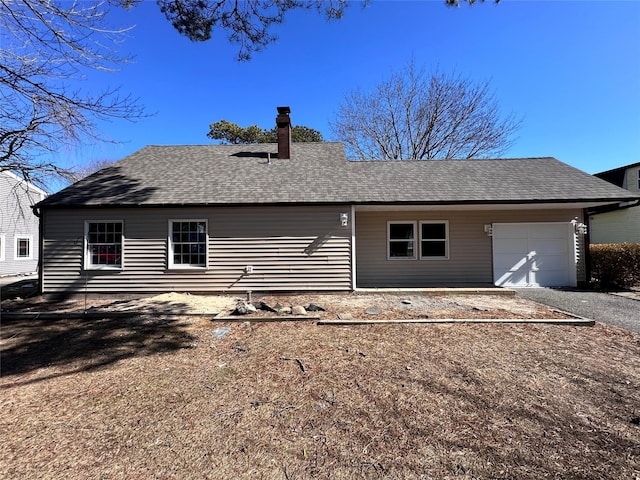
[(534, 204)]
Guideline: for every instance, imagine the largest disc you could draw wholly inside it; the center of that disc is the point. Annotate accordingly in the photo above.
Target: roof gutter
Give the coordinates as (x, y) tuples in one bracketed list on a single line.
[(605, 201), (613, 207)]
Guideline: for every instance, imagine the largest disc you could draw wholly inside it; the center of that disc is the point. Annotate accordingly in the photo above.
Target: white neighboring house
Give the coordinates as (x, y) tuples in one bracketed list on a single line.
[(621, 223), (19, 226)]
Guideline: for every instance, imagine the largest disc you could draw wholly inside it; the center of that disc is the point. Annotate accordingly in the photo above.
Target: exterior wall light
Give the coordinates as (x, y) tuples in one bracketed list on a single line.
[(344, 219), (488, 229), (581, 228), (578, 227)]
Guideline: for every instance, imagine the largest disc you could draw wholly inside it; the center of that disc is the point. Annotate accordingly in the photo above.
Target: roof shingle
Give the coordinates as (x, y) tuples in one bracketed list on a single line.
[(321, 173)]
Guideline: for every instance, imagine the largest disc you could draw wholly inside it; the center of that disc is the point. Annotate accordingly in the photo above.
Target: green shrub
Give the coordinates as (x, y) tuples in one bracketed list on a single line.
[(615, 265)]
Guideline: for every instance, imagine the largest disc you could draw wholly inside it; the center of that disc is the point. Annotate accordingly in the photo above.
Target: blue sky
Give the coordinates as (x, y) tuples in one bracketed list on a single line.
[(570, 69)]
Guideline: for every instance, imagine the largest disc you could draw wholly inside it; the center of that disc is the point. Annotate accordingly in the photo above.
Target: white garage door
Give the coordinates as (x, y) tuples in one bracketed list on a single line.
[(534, 255)]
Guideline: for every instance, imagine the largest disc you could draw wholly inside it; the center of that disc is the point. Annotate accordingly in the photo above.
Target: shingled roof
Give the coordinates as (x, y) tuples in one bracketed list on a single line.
[(319, 173), (616, 175)]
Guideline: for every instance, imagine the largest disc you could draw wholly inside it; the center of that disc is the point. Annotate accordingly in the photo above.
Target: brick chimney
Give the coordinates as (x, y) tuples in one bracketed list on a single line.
[(283, 121)]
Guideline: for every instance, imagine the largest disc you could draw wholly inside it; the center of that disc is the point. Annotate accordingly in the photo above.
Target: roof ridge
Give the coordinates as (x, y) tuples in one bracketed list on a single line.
[(234, 144), (456, 159)]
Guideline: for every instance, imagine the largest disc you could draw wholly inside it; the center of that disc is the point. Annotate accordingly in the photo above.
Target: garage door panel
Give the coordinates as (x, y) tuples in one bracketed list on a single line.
[(546, 245), (512, 231), (511, 262), (510, 245), (518, 277), (532, 255), (549, 231), (551, 261)]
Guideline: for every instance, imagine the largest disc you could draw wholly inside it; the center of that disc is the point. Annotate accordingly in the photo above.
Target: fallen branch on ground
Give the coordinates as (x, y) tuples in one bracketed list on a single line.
[(300, 364)]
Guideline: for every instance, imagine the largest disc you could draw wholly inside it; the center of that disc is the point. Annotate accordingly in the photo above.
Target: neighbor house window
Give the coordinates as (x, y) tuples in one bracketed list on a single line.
[(434, 240), (23, 248), (1, 248), (104, 244), (401, 240), (187, 243)]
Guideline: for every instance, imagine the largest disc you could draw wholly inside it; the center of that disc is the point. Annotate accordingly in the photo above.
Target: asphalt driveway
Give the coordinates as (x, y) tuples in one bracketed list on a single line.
[(616, 310)]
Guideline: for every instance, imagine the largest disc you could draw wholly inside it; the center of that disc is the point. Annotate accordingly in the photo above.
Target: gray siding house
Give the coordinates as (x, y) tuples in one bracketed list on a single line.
[(295, 217), (18, 225)]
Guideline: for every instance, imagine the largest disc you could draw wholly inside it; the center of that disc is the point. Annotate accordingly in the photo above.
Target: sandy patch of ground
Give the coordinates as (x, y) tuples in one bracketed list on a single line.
[(397, 305)]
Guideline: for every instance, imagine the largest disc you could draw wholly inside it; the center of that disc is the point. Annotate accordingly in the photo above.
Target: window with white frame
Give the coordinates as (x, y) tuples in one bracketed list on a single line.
[(23, 247), (1, 248), (434, 240), (187, 243), (401, 244), (103, 240)]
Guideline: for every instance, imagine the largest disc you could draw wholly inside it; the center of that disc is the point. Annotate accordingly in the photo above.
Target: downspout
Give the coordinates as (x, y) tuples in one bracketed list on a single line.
[(353, 248), (587, 250), (40, 214)]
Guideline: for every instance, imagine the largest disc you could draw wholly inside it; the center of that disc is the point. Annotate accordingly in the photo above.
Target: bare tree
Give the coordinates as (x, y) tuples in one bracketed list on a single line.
[(413, 115), (90, 168), (45, 46)]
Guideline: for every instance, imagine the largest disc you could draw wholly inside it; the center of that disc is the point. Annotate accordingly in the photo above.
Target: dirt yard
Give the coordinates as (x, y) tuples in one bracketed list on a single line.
[(372, 306), (151, 396)]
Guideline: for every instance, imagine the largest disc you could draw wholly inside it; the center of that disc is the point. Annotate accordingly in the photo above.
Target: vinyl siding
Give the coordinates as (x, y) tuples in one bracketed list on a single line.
[(619, 226), (470, 250), (290, 249), (631, 179), (17, 219)]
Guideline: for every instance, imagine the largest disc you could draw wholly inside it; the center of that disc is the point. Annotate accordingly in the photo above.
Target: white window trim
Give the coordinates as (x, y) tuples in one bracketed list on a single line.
[(389, 240), (446, 239), (87, 255), (2, 247), (170, 264), (16, 239)]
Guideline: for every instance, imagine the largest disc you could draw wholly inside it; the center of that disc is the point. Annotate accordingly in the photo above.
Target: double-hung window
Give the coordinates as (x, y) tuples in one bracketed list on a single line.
[(187, 243), (434, 240), (23, 247), (402, 240), (430, 237), (103, 240)]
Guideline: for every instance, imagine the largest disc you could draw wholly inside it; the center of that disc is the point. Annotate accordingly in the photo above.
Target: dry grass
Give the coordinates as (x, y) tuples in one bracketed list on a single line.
[(151, 397)]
